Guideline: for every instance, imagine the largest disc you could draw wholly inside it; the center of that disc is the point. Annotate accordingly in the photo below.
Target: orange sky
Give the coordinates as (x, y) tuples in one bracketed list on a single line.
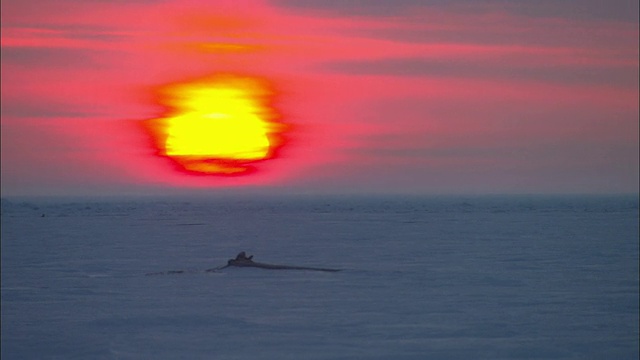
[(382, 97)]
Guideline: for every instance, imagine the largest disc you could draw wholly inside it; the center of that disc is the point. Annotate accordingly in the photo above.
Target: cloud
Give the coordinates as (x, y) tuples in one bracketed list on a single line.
[(616, 10), (48, 57), (619, 76), (39, 108)]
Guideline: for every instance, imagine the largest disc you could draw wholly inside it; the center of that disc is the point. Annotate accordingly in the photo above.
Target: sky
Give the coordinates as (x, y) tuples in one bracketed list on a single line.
[(368, 97)]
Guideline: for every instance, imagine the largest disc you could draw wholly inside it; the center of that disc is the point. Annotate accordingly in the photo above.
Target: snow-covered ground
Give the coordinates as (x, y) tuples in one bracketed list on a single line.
[(423, 278)]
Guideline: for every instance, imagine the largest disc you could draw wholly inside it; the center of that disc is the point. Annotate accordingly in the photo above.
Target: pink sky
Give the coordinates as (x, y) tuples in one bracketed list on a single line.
[(432, 97)]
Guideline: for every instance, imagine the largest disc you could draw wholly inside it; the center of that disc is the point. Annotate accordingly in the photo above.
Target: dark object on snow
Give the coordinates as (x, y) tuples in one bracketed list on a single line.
[(243, 256), (243, 261)]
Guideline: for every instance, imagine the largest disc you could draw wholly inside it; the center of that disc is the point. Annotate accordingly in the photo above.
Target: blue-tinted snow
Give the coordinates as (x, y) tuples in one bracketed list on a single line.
[(424, 278)]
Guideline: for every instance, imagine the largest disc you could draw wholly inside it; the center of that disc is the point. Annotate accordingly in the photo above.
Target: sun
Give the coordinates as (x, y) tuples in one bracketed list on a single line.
[(219, 125)]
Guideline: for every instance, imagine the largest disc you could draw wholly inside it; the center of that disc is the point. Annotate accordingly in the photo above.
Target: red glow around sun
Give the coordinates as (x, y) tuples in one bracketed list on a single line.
[(218, 125)]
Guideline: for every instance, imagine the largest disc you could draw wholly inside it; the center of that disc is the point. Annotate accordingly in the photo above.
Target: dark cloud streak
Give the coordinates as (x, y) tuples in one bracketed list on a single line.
[(20, 109), (49, 56), (619, 76), (615, 10)]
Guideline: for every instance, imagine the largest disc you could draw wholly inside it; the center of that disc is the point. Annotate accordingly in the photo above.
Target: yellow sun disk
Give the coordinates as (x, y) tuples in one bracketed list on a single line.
[(221, 122), (195, 135)]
